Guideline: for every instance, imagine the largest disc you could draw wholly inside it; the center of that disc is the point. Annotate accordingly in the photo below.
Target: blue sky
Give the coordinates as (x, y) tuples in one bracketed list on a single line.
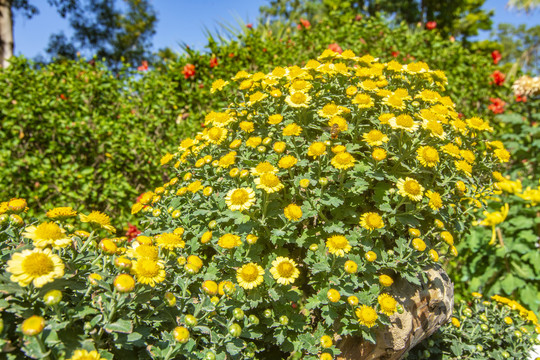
[(184, 21)]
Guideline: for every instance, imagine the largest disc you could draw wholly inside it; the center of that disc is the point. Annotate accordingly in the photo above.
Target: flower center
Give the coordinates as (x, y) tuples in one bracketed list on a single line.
[(388, 303), (214, 133), (37, 264), (339, 242), (431, 155), (250, 273), (239, 197), (412, 187), (404, 121), (285, 269), (375, 135), (147, 268), (269, 180), (330, 109), (362, 99), (343, 158), (298, 98), (49, 231), (367, 314), (373, 220)]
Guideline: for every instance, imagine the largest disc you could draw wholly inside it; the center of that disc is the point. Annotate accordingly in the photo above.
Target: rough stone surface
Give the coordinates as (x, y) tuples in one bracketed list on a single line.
[(427, 307)]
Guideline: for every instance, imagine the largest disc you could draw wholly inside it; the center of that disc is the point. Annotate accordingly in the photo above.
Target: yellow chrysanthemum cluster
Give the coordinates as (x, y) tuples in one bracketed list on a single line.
[(345, 171)]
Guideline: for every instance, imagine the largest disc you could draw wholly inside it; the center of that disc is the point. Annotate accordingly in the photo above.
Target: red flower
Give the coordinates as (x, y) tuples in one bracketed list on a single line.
[(249, 26), (520, 98), (395, 53), (358, 17), (497, 105), (144, 66), (496, 56), (498, 77), (189, 71), (132, 232), (213, 62), (231, 55), (201, 86), (63, 97), (335, 47), (430, 25), (304, 24)]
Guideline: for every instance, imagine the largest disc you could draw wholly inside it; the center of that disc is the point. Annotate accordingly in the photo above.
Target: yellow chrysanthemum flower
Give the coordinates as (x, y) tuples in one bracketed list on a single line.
[(229, 241), (363, 101), (227, 160), (218, 85), (240, 199), (17, 204), (375, 138), (170, 241), (287, 162), (478, 124), (269, 183), (338, 121), (316, 149), (284, 270), (298, 99), (435, 200), (47, 233), (343, 161), (215, 135), (85, 355), (427, 156), (338, 245), (464, 166), (275, 119), (148, 271), (264, 168), (403, 122), (371, 221), (387, 304), (366, 315), (250, 276), (98, 218), (293, 212), (33, 326), (61, 213), (329, 110), (247, 126), (378, 154), (37, 266), (292, 130), (410, 188), (141, 251)]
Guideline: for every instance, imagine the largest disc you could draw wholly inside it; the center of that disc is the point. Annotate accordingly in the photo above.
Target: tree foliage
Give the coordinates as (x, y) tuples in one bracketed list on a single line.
[(107, 30), (460, 17)]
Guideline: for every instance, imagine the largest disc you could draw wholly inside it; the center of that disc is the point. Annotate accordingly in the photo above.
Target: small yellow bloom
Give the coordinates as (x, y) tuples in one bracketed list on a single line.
[(338, 245), (32, 326), (250, 276), (293, 212), (367, 316), (284, 270), (371, 221)]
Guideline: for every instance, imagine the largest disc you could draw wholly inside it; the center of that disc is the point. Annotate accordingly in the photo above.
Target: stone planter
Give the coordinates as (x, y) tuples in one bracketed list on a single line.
[(427, 307)]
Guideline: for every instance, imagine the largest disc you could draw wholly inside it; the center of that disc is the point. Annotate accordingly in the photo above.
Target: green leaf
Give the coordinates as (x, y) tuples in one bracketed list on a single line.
[(121, 326)]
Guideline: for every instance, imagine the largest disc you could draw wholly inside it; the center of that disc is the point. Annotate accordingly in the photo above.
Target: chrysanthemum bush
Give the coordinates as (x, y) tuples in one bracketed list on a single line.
[(284, 226), (483, 328)]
